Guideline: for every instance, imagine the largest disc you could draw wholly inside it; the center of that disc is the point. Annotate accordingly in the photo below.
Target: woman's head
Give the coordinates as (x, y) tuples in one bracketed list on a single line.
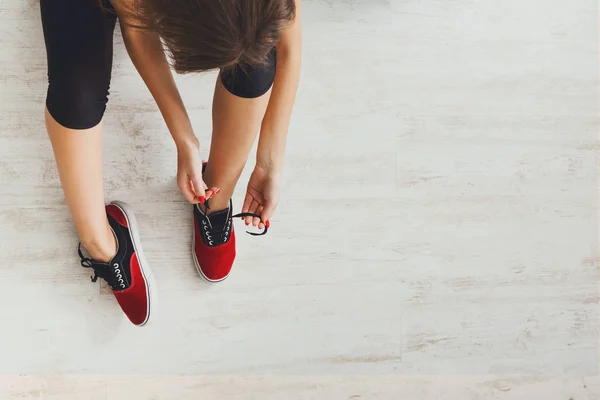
[(206, 34)]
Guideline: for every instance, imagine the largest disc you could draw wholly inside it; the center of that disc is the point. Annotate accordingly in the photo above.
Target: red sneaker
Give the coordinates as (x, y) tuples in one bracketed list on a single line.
[(127, 273), (214, 242)]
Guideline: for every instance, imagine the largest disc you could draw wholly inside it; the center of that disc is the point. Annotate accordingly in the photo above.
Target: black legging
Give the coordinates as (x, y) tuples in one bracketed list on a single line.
[(79, 48)]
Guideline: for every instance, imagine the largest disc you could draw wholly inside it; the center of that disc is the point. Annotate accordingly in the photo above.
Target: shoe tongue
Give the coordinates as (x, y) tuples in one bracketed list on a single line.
[(219, 218)]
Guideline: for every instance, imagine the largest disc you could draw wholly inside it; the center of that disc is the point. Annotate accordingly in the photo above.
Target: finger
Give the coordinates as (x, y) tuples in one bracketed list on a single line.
[(211, 192), (261, 223), (187, 190), (256, 220), (247, 202), (267, 212), (199, 188), (253, 206), (246, 207)]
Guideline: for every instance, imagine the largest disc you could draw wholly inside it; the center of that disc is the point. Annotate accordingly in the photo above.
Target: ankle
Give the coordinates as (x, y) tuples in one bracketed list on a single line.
[(102, 248), (215, 206)]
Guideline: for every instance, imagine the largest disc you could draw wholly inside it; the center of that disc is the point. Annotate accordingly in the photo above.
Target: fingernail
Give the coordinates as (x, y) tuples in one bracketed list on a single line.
[(217, 191), (268, 224), (202, 199)]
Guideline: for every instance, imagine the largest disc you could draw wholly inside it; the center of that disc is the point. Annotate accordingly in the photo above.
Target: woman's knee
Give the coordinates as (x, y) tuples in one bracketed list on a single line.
[(76, 102), (251, 81)]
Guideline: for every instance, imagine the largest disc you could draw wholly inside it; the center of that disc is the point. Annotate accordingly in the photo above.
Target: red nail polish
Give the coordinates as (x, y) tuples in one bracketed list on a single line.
[(268, 224), (202, 199)]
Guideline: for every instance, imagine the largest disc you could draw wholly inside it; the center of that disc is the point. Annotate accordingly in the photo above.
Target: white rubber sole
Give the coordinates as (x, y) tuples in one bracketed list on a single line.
[(144, 267), (196, 263)]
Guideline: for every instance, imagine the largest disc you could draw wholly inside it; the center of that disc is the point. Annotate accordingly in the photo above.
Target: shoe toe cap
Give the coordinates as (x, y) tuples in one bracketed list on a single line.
[(135, 304)]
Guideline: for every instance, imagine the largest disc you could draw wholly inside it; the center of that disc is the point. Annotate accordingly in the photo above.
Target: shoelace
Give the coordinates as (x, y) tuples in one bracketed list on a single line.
[(240, 215), (113, 276), (222, 231)]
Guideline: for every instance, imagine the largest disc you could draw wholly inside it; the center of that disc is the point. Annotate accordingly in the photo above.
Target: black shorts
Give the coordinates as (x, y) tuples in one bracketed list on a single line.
[(79, 48)]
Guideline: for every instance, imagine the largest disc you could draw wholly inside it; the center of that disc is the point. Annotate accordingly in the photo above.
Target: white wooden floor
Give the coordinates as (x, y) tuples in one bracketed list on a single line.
[(436, 237)]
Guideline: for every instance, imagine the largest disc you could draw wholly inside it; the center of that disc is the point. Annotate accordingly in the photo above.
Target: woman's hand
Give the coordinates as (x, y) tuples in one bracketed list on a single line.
[(189, 173), (262, 196)]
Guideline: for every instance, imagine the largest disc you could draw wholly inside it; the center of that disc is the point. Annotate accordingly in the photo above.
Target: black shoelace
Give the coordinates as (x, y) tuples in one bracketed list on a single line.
[(241, 215), (113, 275), (220, 234)]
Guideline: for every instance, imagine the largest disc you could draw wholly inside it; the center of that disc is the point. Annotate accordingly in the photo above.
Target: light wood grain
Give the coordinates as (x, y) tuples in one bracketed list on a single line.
[(436, 239)]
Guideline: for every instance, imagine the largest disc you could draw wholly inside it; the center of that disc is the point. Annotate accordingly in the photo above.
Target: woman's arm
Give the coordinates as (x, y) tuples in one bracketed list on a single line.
[(274, 129), (148, 56)]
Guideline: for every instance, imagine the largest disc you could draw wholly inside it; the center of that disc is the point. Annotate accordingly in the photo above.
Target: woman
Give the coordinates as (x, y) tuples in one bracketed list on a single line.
[(256, 45)]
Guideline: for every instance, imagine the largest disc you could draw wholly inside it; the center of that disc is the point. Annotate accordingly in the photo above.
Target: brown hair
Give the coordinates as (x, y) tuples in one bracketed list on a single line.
[(201, 35)]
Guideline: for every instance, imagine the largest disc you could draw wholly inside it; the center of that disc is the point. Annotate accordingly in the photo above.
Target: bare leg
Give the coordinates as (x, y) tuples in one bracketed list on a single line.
[(78, 155), (236, 122)]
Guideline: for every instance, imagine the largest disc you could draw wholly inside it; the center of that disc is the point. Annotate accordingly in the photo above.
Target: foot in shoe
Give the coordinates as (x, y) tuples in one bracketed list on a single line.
[(214, 242), (127, 272)]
